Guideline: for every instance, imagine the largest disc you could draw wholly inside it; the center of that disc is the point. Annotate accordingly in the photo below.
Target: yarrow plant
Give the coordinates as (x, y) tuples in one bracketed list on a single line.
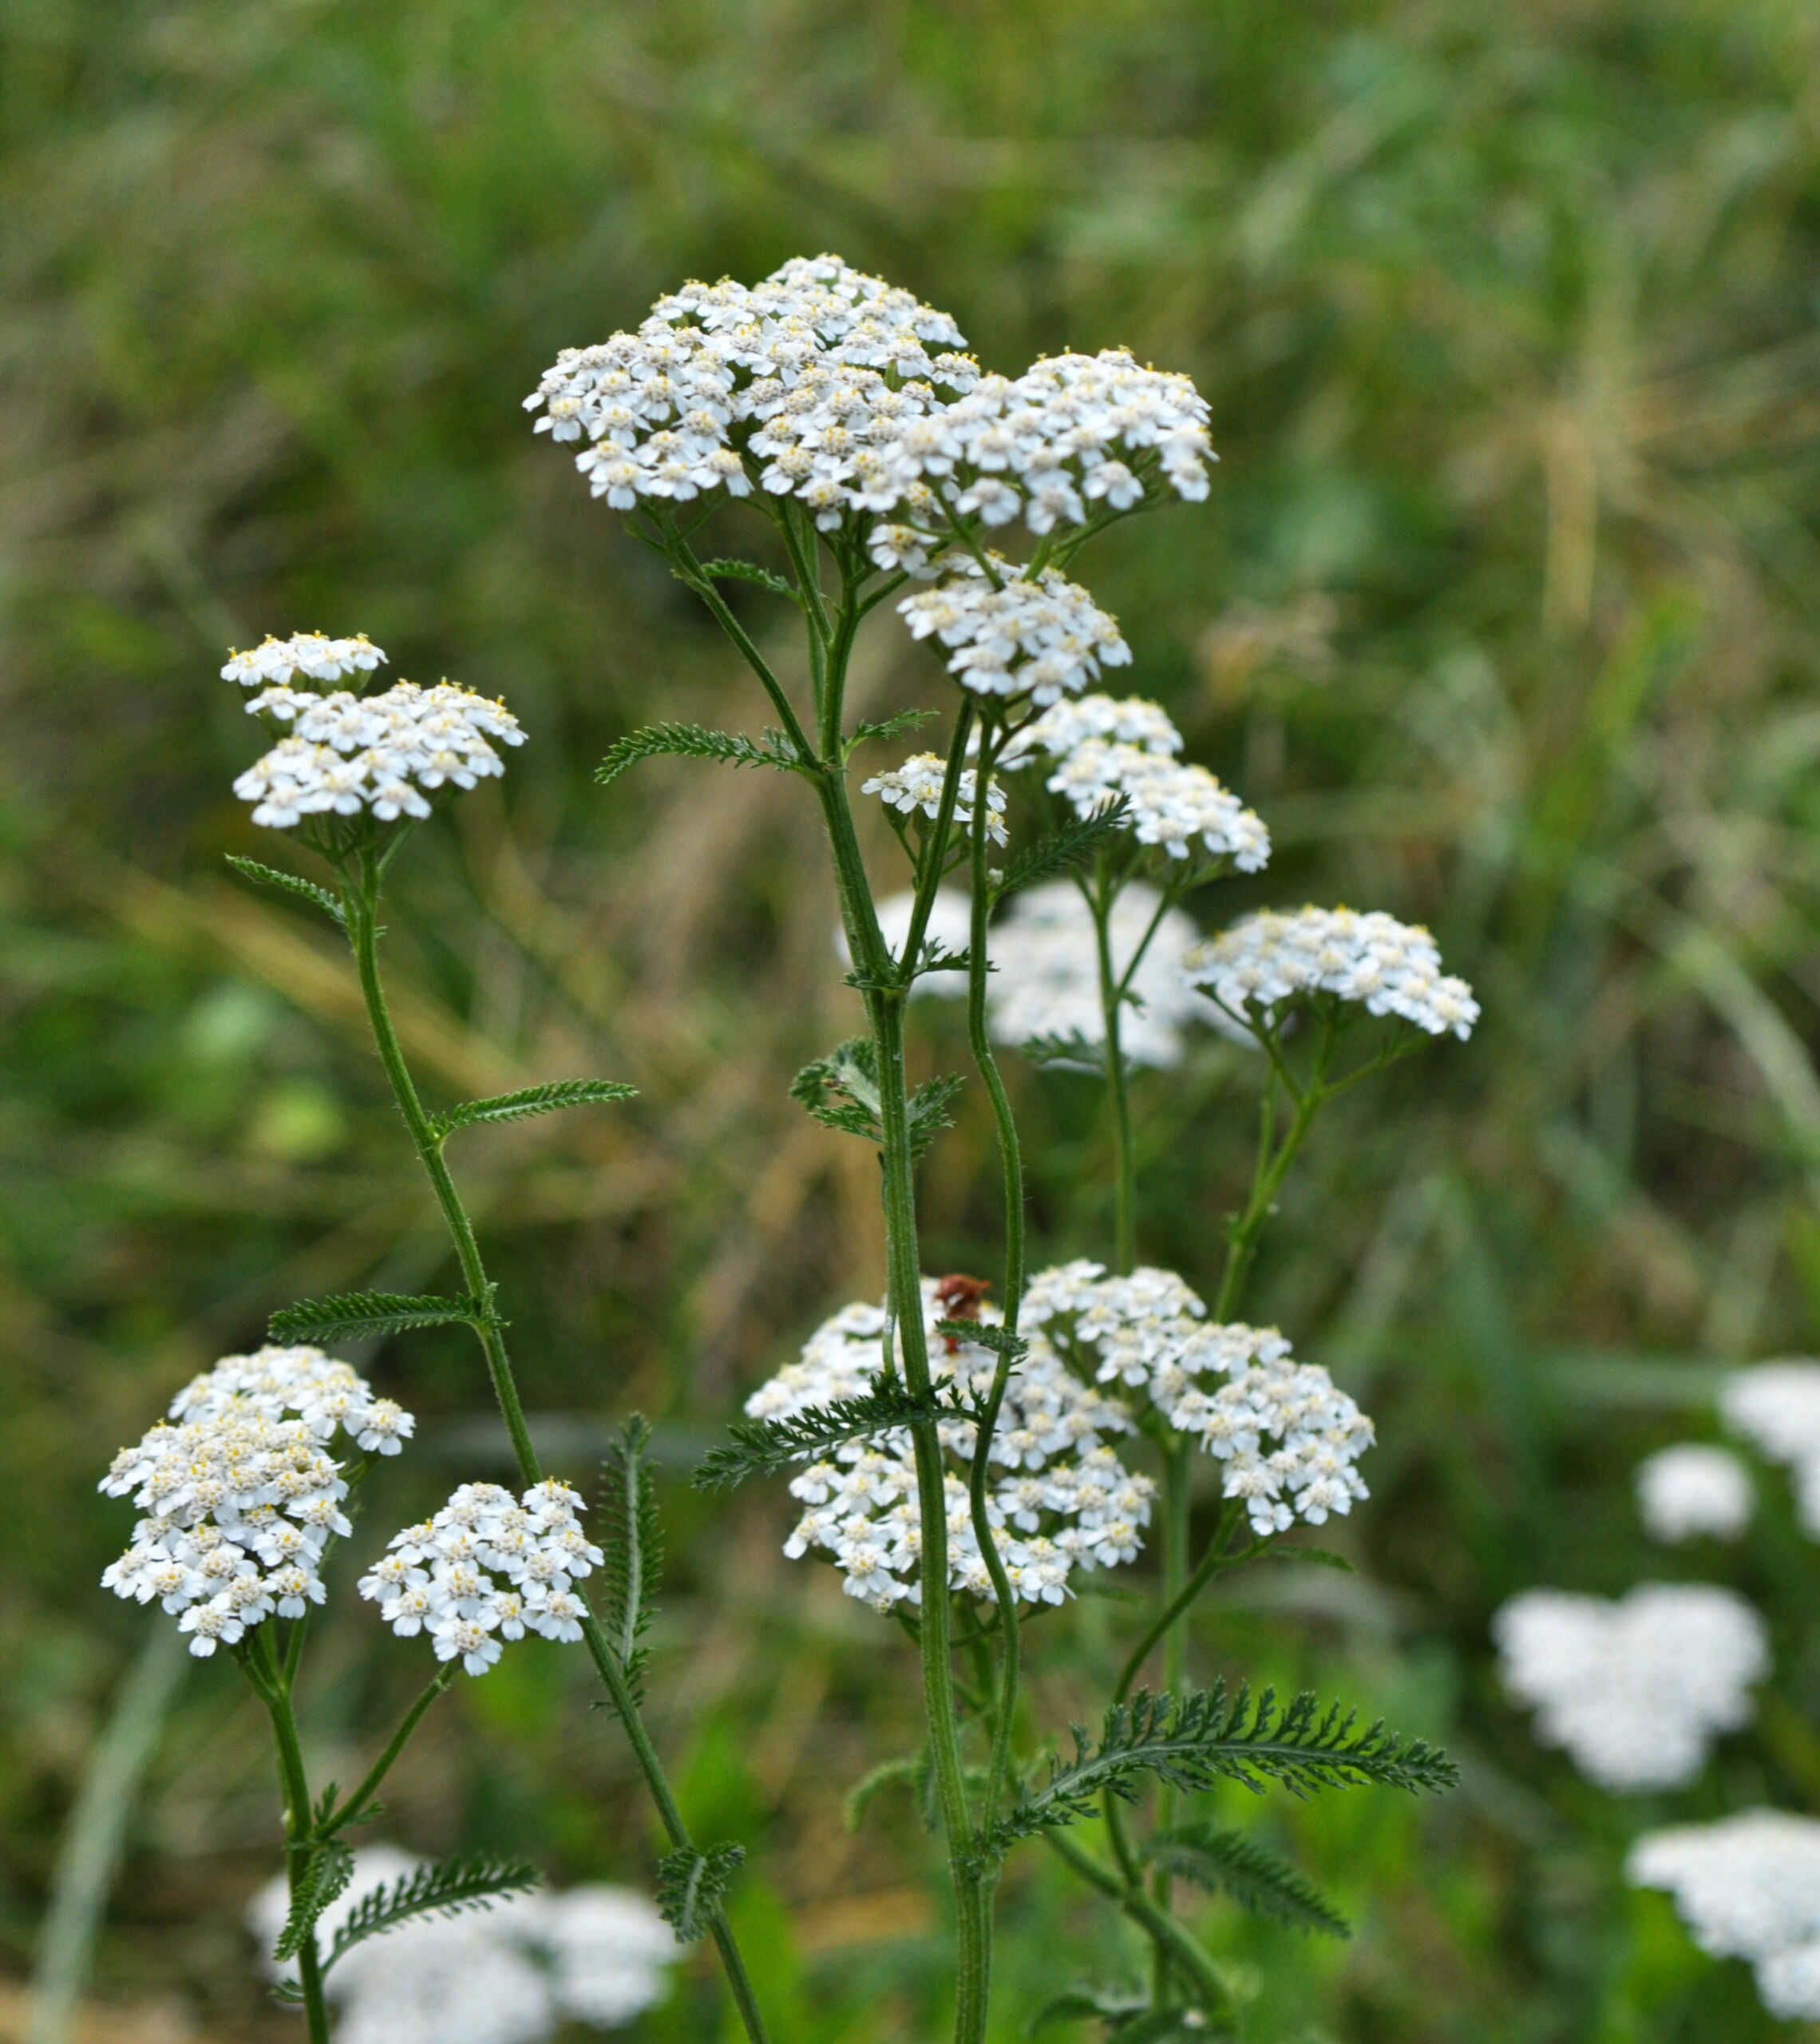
[(994, 1447)]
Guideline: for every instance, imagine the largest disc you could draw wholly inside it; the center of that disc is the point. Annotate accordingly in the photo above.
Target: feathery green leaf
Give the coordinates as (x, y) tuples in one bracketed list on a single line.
[(728, 569), (889, 727), (444, 1887), (1227, 1863), (330, 1870), (633, 1542), (292, 883), (694, 742), (533, 1100), (690, 1885), (761, 1448), (352, 1315), (1057, 850)]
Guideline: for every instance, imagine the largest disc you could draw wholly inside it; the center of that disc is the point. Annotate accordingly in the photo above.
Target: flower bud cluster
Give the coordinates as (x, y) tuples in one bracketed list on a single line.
[(383, 754), (1635, 1691), (1040, 638), (242, 1495), (1060, 1499), (1691, 1491), (488, 1566), (1290, 1438), (277, 662), (1748, 1888), (1776, 1407), (917, 784), (1392, 967)]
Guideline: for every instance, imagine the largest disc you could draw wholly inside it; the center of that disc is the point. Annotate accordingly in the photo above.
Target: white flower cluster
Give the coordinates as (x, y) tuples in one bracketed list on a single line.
[(1041, 638), (242, 1495), (277, 662), (826, 375), (434, 1578), (1748, 1888), (917, 784), (1776, 1407), (1393, 968), (1064, 726), (1635, 1691), (385, 753), (1289, 1437), (1691, 1491), (510, 1974), (1061, 1499), (1047, 984)]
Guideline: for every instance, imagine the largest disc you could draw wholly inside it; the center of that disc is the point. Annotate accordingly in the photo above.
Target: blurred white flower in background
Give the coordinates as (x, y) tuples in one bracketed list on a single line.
[(1690, 1490)]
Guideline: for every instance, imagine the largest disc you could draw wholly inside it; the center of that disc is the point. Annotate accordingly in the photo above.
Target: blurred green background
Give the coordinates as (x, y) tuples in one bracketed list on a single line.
[(1501, 614)]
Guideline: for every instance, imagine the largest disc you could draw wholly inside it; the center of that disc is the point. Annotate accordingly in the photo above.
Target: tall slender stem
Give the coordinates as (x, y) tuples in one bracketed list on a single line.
[(1101, 894), (340, 1818), (361, 904), (298, 1847)]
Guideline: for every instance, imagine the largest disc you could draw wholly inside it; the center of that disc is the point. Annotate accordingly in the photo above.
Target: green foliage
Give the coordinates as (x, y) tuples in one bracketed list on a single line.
[(366, 1315), (694, 742), (292, 883), (632, 1540), (890, 727), (1208, 1736), (1060, 850), (691, 1885), (761, 1448), (728, 570), (440, 1887), (330, 1870), (1227, 1863), (841, 1090), (533, 1100), (1126, 2016)]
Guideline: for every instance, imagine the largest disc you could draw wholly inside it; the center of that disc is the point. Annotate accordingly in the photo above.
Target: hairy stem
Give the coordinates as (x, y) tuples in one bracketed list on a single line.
[(361, 902), (349, 1811), (274, 1691)]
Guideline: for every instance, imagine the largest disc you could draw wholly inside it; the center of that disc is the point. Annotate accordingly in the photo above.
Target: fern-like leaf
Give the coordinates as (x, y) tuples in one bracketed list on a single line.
[(634, 1544), (691, 1885), (329, 1871), (1227, 1863), (841, 1090), (889, 728), (727, 569), (1057, 850), (1208, 1736), (907, 1772), (928, 1110), (292, 883), (694, 742), (533, 1100), (353, 1316), (444, 1887), (761, 1448)]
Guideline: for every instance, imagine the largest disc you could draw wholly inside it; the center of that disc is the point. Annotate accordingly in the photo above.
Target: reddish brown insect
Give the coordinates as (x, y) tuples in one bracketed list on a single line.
[(959, 1297)]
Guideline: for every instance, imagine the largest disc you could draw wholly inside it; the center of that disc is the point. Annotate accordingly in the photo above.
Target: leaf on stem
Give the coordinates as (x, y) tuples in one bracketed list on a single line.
[(690, 1886), (1208, 1736), (761, 1448), (327, 1872), (634, 1544), (355, 1316), (694, 742), (533, 1100), (997, 1339), (727, 569), (444, 1887), (1057, 850), (292, 883), (841, 1090), (1227, 1863), (905, 720)]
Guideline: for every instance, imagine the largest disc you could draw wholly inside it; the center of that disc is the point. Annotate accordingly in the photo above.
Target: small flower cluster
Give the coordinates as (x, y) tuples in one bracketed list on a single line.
[(1392, 967), (241, 1496), (1040, 637), (1635, 1691), (1046, 980), (434, 1578), (1776, 1407), (1690, 1491), (386, 754), (1065, 726), (917, 784), (1061, 1501), (1181, 808), (1748, 1888), (278, 662), (1289, 1437), (512, 1974)]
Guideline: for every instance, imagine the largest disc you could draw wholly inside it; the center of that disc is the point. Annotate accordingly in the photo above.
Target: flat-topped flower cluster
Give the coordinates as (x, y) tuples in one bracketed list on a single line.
[(1271, 959), (488, 1567), (819, 384), (241, 1496), (1042, 636), (1636, 1691), (275, 663), (1060, 1499), (917, 784), (1776, 1407), (1289, 1437)]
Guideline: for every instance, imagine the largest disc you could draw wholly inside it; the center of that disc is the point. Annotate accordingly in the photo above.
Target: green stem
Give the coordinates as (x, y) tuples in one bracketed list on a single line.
[(339, 1819), (362, 905), (1100, 898), (299, 1844), (1210, 1565)]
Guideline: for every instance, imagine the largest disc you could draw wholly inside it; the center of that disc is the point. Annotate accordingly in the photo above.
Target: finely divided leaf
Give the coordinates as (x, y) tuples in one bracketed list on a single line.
[(1210, 1736), (445, 1887), (841, 1089), (694, 742), (533, 1100), (1227, 1863), (928, 1110), (726, 569), (761, 1448), (1059, 850), (326, 1875), (292, 883), (634, 1544), (690, 1884), (905, 720), (352, 1315)]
